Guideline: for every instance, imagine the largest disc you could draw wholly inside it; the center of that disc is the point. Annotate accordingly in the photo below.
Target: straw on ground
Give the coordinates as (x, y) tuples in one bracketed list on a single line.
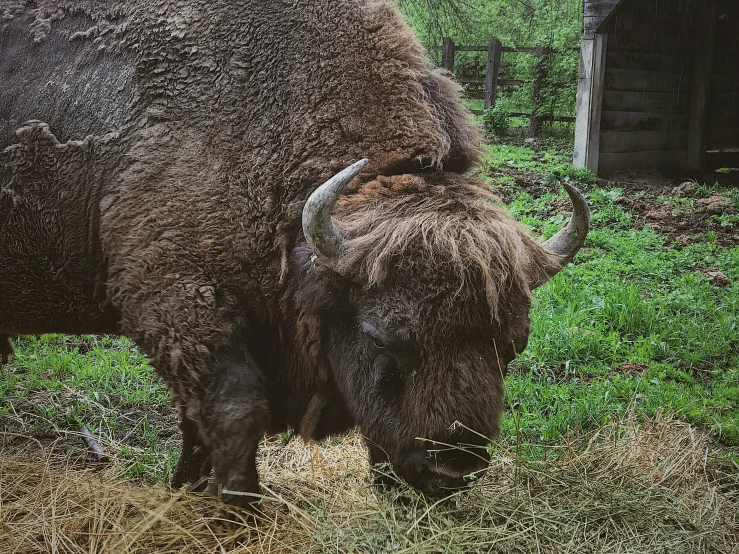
[(633, 486)]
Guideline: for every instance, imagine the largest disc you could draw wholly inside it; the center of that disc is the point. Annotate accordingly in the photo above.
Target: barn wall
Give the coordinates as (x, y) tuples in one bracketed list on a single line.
[(645, 112), (723, 99), (595, 13)]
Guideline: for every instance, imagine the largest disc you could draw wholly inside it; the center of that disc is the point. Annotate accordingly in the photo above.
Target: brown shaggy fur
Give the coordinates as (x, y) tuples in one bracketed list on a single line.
[(446, 218), (158, 192)]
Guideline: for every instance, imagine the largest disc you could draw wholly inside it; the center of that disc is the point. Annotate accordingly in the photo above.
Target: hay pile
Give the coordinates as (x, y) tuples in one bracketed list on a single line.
[(648, 487)]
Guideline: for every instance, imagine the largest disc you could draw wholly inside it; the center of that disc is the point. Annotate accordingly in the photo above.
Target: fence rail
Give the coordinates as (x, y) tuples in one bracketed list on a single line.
[(492, 80), (485, 48)]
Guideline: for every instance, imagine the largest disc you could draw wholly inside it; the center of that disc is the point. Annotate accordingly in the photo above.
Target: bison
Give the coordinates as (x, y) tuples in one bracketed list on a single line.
[(159, 175)]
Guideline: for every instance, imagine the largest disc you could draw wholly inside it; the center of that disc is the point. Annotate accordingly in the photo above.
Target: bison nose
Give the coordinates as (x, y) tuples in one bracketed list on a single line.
[(453, 474), (439, 474), (456, 468)]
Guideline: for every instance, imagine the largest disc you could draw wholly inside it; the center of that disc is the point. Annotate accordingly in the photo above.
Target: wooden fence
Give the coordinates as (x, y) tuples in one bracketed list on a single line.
[(492, 80)]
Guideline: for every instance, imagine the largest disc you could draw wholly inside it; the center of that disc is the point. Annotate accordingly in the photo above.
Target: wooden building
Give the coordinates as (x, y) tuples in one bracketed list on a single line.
[(659, 85)]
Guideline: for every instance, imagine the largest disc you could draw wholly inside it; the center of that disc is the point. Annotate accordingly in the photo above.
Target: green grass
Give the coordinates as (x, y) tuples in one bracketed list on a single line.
[(109, 367), (632, 324), (474, 103), (522, 158), (58, 383)]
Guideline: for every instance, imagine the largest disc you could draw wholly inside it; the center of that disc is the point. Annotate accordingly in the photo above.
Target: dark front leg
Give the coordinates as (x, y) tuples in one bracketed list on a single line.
[(235, 417), (6, 349), (194, 463)]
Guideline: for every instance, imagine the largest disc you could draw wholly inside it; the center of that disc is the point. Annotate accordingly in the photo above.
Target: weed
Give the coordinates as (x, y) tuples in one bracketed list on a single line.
[(495, 121), (504, 180), (505, 157), (702, 190), (725, 220), (678, 204)]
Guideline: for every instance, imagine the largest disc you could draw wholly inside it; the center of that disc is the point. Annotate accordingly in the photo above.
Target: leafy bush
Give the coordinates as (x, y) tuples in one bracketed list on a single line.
[(495, 121)]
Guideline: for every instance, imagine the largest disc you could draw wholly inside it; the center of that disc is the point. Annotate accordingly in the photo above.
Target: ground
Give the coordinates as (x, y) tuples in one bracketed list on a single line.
[(643, 327)]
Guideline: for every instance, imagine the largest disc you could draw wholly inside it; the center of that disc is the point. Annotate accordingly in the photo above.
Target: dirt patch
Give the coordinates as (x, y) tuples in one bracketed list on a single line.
[(561, 372), (716, 278), (665, 202), (629, 369), (81, 345), (521, 181), (672, 205), (682, 220)]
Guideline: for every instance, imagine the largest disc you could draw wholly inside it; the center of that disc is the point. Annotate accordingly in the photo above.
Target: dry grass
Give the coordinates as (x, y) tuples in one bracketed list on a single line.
[(655, 486)]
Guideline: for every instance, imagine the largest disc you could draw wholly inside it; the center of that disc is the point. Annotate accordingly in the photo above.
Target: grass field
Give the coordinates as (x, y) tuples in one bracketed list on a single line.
[(644, 323)]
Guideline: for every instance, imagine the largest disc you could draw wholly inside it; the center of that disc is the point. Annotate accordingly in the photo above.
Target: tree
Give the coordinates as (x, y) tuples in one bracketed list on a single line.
[(551, 23)]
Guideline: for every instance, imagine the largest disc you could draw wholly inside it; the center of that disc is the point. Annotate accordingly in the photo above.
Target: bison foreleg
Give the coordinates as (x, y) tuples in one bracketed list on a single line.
[(234, 419), (194, 464), (6, 349)]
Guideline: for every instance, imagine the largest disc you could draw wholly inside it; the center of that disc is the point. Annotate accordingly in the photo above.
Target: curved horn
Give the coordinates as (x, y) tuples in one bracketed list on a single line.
[(326, 241), (563, 246)]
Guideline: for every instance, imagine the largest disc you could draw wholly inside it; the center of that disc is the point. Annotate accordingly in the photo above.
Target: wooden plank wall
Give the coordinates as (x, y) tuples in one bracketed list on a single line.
[(723, 100), (594, 13), (647, 90)]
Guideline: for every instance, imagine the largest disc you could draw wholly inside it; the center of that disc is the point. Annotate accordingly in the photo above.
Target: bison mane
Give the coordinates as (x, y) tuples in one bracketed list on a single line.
[(458, 227)]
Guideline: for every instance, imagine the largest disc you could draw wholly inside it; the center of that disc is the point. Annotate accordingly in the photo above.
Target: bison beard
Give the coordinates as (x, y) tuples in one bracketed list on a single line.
[(158, 173)]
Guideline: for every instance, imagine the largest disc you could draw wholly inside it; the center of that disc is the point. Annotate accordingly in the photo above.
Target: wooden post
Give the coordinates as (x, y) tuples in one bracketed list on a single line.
[(705, 40), (491, 73), (541, 71), (589, 102), (596, 13), (447, 54)]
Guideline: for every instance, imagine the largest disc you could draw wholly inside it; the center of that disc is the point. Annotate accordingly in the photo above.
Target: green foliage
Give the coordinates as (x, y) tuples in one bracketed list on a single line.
[(567, 173), (555, 25), (702, 190), (725, 220), (543, 22), (506, 157), (495, 121)]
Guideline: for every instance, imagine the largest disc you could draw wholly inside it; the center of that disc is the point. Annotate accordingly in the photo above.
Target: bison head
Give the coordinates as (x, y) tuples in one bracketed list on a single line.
[(431, 292)]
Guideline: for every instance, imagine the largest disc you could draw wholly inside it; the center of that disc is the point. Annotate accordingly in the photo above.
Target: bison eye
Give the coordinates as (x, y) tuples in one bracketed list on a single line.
[(377, 343)]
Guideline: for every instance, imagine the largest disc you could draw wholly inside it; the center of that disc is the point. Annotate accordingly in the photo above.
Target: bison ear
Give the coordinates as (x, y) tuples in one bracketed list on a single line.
[(562, 247)]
